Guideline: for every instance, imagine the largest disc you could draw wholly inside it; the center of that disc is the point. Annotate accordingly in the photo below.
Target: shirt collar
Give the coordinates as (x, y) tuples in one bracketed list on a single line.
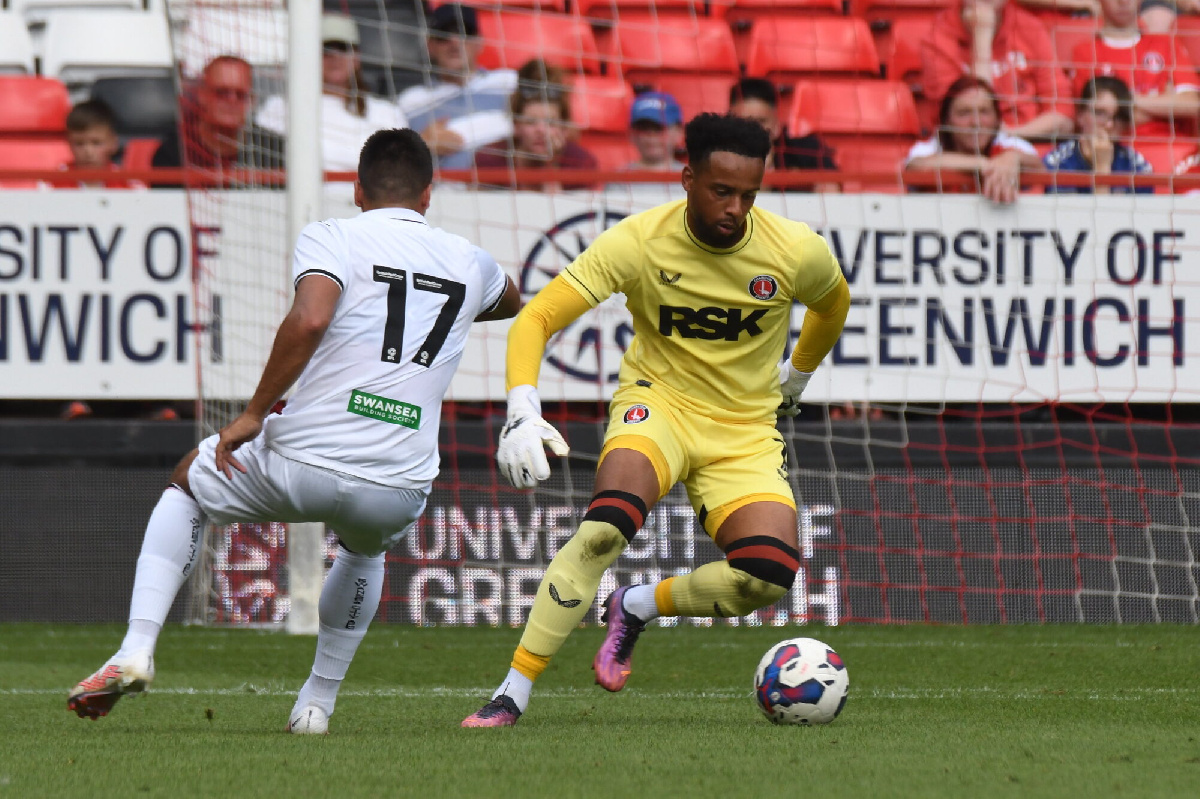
[(399, 214)]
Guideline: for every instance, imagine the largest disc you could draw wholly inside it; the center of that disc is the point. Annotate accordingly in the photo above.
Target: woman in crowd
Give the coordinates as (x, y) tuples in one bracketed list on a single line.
[(969, 139), (349, 115), (1104, 116), (541, 111)]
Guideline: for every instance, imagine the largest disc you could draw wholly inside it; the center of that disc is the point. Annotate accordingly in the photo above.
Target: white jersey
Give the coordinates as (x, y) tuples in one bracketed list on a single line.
[(369, 403)]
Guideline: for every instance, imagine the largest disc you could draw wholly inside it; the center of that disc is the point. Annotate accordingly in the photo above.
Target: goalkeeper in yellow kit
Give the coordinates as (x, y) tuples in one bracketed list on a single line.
[(709, 282)]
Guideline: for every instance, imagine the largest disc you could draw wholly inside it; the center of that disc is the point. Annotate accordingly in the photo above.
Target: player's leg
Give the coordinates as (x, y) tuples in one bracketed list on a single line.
[(352, 589), (745, 502), (168, 552), (628, 483)]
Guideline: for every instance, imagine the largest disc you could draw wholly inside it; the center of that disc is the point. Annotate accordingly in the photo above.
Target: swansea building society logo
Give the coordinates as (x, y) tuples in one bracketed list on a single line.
[(590, 349)]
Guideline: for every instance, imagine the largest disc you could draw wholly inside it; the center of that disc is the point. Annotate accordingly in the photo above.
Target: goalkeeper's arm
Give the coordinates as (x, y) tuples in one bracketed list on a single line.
[(823, 322), (521, 453)]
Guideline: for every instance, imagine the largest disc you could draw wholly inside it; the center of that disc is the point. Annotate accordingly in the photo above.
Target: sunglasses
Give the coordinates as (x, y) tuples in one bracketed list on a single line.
[(339, 47)]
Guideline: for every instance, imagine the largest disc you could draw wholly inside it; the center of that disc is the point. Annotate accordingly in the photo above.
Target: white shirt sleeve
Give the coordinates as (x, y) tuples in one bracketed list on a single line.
[(320, 251), (272, 115), (923, 149), (492, 277), (1007, 141), (481, 127)]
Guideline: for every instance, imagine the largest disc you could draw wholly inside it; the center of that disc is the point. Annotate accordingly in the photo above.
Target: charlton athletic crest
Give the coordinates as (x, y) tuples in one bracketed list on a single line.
[(763, 287), (637, 413)]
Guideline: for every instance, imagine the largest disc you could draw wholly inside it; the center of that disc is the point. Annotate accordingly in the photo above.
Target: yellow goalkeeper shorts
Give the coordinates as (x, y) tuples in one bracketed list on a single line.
[(723, 465)]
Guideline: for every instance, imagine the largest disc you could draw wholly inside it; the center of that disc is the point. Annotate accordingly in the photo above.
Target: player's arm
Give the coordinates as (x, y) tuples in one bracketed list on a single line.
[(295, 342), (506, 307), (521, 454), (824, 318)]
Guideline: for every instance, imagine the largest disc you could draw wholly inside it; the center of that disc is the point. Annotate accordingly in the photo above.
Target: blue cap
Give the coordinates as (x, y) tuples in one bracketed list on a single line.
[(657, 107)]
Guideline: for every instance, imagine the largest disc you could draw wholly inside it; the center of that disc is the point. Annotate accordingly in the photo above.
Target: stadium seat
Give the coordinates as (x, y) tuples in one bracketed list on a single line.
[(30, 106), (16, 46), (620, 9), (142, 106), (696, 93), (31, 154), (1067, 37), (601, 104), (792, 48), (85, 45), (897, 9), (641, 48), (610, 153), (870, 123), (513, 37), (542, 5), (261, 39), (736, 12), (900, 50), (1164, 156), (139, 153), (1188, 34)]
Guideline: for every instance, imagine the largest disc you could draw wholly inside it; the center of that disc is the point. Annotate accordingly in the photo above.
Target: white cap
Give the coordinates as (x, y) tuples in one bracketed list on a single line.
[(337, 28)]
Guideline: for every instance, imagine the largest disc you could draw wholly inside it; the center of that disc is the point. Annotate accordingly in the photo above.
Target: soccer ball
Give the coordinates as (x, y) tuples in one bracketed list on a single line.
[(801, 681)]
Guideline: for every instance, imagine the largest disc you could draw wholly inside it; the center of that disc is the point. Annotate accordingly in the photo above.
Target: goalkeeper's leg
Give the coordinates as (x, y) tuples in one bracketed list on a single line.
[(761, 560), (627, 486)]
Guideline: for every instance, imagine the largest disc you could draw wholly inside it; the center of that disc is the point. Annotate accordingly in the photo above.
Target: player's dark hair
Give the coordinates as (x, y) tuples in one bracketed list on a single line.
[(754, 89), (394, 165), (1118, 88), (708, 133), (91, 114)]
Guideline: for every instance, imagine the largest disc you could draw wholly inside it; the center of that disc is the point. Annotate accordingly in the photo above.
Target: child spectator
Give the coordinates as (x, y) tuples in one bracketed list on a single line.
[(1103, 118), (92, 137), (969, 139), (656, 130), (541, 113), (1156, 68), (758, 99), (1010, 48)]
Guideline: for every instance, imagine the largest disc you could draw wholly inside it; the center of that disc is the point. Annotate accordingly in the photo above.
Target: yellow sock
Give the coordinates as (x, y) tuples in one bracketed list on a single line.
[(568, 590), (717, 589), (529, 664)]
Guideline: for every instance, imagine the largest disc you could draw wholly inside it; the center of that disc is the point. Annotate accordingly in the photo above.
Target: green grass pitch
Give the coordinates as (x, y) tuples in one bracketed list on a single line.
[(1061, 711)]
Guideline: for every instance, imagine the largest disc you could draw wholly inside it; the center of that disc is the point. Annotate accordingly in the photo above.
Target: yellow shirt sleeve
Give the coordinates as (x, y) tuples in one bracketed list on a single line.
[(823, 322), (553, 308), (823, 290)]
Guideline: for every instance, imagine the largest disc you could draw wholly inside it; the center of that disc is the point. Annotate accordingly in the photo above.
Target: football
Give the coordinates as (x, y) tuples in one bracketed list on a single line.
[(801, 681)]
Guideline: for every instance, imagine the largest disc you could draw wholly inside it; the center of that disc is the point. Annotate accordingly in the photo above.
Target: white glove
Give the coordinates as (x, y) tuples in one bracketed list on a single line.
[(521, 454), (792, 383)]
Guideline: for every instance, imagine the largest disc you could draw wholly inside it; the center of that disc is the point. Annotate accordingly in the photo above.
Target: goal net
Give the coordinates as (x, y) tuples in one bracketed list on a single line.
[(1003, 434)]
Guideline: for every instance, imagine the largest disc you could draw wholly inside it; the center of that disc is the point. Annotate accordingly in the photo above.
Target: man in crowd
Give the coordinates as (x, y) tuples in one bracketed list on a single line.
[(465, 107), (656, 130), (757, 99)]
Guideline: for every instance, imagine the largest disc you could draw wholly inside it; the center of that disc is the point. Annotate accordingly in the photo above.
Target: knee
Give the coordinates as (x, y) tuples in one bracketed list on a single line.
[(179, 477), (764, 570), (751, 593)]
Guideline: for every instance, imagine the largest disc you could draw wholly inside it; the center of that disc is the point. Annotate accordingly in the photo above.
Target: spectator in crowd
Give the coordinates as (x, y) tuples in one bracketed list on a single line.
[(541, 110), (465, 107), (1010, 48), (1156, 67), (92, 137), (758, 99), (1190, 168), (1157, 16), (656, 130), (349, 115), (969, 139), (215, 133), (1103, 118)]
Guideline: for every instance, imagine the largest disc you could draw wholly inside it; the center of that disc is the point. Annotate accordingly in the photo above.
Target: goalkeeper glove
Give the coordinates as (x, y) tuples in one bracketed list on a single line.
[(521, 454), (792, 383)]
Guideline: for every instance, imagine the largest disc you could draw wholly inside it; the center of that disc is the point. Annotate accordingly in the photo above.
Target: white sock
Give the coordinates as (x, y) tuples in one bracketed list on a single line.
[(516, 686), (348, 602), (169, 550), (639, 600)]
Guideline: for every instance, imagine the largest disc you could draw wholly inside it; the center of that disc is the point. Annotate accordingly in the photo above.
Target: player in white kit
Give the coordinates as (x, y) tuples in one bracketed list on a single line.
[(382, 310)]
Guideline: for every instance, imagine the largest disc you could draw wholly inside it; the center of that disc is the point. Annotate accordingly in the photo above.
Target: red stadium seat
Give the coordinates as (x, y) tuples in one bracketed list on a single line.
[(139, 153), (643, 46), (1188, 34), (1067, 37), (513, 37), (601, 104), (870, 123), (31, 154), (611, 153), (696, 93), (898, 9), (31, 105), (619, 9), (541, 5), (1164, 156), (900, 50), (790, 48)]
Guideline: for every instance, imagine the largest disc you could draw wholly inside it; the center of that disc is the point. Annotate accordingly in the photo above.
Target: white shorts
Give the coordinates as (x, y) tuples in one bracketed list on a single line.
[(369, 518)]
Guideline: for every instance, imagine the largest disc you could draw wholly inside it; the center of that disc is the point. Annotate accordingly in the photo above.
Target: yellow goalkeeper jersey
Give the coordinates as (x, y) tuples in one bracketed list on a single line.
[(710, 325)]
